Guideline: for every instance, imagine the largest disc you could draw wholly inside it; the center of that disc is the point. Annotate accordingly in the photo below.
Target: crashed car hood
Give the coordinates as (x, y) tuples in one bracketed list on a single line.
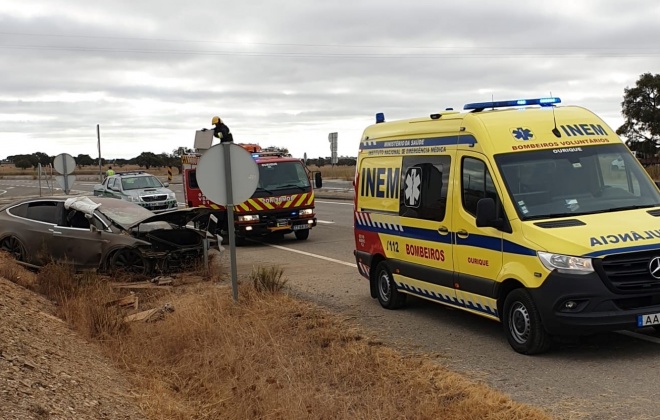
[(176, 217)]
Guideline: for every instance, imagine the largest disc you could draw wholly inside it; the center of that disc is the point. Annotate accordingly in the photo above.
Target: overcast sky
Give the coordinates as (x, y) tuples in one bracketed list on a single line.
[(286, 73)]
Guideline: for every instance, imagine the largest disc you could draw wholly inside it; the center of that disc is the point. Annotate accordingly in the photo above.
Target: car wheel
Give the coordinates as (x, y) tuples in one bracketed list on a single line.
[(388, 295), (128, 260), (522, 324), (301, 235), (13, 246)]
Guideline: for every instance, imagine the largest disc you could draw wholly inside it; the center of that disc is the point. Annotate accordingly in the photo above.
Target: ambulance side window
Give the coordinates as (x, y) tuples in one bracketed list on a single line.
[(424, 186), (476, 184)]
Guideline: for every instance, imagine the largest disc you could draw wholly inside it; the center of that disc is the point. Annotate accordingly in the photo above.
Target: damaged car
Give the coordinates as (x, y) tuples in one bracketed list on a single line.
[(101, 233)]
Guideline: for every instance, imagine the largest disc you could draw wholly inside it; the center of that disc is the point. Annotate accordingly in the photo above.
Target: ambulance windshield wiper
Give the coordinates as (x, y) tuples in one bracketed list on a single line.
[(635, 207), (557, 215)]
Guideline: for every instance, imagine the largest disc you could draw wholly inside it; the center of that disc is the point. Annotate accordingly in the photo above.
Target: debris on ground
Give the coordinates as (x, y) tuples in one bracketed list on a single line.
[(150, 315)]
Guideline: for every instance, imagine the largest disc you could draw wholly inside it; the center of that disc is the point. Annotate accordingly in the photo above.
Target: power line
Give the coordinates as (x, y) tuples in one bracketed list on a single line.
[(626, 48), (466, 54)]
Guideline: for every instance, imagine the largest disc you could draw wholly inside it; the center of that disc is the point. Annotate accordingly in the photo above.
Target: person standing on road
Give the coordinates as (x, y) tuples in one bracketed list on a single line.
[(109, 172)]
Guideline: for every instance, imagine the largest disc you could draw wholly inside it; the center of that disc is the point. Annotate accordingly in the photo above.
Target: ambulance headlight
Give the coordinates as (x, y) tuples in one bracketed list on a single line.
[(566, 263), (249, 218), (306, 212)]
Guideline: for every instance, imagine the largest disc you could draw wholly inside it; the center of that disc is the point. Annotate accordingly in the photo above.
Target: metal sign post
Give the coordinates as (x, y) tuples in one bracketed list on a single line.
[(235, 165), (230, 220)]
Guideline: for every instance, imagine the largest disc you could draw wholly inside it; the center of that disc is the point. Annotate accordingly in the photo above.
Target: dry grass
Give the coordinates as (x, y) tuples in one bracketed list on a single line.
[(7, 169), (346, 173), (269, 356), (268, 279), (14, 272), (272, 356)]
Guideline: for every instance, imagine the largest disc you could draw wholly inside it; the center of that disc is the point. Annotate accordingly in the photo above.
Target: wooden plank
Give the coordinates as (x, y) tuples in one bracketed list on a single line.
[(141, 316)]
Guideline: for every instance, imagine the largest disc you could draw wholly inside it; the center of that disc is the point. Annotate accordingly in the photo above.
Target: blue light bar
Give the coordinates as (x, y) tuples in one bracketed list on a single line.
[(380, 117), (514, 102)]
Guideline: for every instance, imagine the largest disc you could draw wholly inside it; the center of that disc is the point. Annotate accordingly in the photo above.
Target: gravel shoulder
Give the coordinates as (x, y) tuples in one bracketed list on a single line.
[(49, 372)]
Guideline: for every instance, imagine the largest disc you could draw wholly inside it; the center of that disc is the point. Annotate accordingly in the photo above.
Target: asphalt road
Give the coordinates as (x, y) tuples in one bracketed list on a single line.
[(610, 376)]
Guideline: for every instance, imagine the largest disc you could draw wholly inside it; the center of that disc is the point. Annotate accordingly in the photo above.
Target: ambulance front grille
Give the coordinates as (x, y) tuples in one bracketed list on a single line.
[(629, 272)]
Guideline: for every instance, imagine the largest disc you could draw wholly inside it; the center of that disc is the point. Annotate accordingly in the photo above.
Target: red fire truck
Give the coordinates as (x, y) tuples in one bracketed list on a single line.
[(282, 203)]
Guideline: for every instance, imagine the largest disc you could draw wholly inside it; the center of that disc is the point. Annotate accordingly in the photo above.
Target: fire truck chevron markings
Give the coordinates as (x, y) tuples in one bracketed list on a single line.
[(309, 254)]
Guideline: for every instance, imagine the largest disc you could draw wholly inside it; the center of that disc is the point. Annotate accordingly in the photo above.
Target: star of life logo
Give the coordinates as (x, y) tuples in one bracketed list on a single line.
[(522, 134), (413, 187)]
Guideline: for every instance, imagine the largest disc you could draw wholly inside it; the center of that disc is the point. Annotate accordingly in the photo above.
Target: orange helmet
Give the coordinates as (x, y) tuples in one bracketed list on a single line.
[(215, 120)]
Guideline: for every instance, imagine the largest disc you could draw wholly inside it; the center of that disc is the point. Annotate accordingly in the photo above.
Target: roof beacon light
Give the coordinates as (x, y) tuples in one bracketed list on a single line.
[(515, 102), (380, 117)]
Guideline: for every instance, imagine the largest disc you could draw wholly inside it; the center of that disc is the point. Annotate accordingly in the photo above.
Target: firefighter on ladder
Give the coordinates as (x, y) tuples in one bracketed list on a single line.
[(221, 131)]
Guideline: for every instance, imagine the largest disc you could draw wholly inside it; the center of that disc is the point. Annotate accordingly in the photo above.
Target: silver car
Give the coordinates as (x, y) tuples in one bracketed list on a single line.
[(140, 188)]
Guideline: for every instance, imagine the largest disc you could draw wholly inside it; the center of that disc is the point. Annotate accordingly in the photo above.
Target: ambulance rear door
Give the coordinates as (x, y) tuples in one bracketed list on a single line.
[(426, 218)]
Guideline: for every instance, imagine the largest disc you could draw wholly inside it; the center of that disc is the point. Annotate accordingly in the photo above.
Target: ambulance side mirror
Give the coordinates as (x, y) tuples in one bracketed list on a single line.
[(486, 214), (318, 181)]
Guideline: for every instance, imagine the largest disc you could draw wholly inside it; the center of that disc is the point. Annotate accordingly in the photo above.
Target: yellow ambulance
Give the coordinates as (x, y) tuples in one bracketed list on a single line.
[(526, 212)]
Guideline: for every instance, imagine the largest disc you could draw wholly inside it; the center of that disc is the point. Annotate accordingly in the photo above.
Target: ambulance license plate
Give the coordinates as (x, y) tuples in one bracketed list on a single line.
[(648, 320), (300, 227), (282, 222)]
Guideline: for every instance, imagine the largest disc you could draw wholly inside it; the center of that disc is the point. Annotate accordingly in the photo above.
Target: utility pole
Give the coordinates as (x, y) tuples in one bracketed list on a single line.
[(98, 136)]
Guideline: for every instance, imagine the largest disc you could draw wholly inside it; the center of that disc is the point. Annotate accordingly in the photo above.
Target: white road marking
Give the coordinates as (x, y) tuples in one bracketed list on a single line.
[(309, 254), (10, 188), (324, 222), (334, 202), (3, 192), (640, 336)]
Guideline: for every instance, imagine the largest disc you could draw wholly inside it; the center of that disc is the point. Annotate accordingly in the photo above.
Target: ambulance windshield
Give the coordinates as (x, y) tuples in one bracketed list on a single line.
[(281, 177), (574, 181)]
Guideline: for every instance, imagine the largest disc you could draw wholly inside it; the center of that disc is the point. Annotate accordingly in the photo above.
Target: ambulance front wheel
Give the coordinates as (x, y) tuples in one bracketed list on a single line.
[(522, 324), (388, 295)]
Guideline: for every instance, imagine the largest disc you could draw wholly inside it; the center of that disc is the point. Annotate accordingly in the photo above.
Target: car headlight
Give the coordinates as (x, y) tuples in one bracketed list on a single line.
[(171, 196), (133, 198), (306, 212), (249, 218), (566, 263)]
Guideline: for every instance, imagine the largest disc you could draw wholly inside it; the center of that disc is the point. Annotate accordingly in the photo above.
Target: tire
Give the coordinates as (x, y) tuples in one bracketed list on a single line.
[(128, 260), (522, 324), (388, 295), (240, 240), (301, 235), (13, 246)]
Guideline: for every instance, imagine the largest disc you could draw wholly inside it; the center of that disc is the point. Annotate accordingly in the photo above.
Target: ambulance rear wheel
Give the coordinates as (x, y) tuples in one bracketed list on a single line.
[(388, 295), (301, 235), (522, 324)]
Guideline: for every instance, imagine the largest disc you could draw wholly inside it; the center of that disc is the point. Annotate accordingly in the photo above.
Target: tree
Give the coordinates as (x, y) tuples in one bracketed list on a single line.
[(42, 158), (85, 160), (641, 111), (148, 159), (22, 163)]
